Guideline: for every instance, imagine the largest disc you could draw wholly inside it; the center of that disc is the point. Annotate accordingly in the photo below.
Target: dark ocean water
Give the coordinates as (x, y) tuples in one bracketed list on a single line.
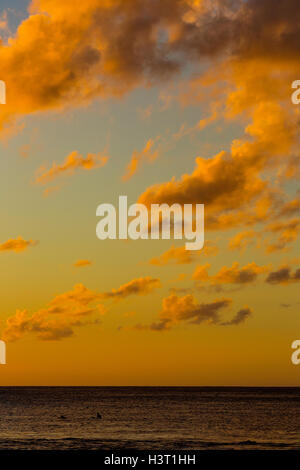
[(149, 418)]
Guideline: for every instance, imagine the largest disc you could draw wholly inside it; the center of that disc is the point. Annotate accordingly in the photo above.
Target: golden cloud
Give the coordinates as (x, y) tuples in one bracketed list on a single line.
[(233, 275), (106, 48), (81, 263), (17, 245), (97, 48), (242, 240), (284, 275), (58, 320), (44, 328), (69, 310), (149, 153), (179, 255), (140, 286), (231, 184), (74, 161), (287, 233), (186, 309)]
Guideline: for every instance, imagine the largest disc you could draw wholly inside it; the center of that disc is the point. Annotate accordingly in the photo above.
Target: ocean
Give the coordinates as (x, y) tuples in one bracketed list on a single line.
[(149, 418)]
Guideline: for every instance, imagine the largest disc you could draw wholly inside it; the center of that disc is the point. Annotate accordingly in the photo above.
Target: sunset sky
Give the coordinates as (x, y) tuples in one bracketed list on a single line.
[(165, 101)]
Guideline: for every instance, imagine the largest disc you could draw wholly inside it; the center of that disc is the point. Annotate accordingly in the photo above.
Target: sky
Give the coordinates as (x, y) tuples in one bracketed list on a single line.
[(170, 101)]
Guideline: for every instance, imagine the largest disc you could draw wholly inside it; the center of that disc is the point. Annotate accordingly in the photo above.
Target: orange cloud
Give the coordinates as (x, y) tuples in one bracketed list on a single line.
[(147, 154), (82, 263), (59, 318), (4, 21), (290, 208), (240, 317), (17, 245), (177, 310), (242, 240), (21, 323), (79, 297), (69, 310), (74, 161), (231, 184), (179, 255), (96, 49), (233, 275), (288, 233), (106, 48), (141, 286), (284, 276), (46, 329)]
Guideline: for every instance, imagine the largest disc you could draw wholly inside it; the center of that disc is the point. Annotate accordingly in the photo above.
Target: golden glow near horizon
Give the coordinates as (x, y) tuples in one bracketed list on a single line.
[(155, 101)]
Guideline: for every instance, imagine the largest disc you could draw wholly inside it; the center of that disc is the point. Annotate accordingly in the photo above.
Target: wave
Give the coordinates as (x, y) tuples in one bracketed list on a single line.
[(73, 443)]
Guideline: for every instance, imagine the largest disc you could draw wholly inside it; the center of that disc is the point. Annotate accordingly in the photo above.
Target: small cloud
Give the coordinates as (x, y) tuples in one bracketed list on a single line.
[(232, 275), (140, 286), (242, 240), (24, 150), (81, 263), (73, 162), (287, 232), (145, 113), (148, 153), (283, 275), (186, 310), (51, 190), (30, 146), (239, 318), (17, 245), (179, 255), (4, 24)]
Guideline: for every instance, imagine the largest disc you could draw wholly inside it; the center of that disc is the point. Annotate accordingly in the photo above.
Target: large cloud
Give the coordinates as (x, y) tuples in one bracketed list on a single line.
[(231, 184), (69, 310), (67, 53), (106, 48)]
